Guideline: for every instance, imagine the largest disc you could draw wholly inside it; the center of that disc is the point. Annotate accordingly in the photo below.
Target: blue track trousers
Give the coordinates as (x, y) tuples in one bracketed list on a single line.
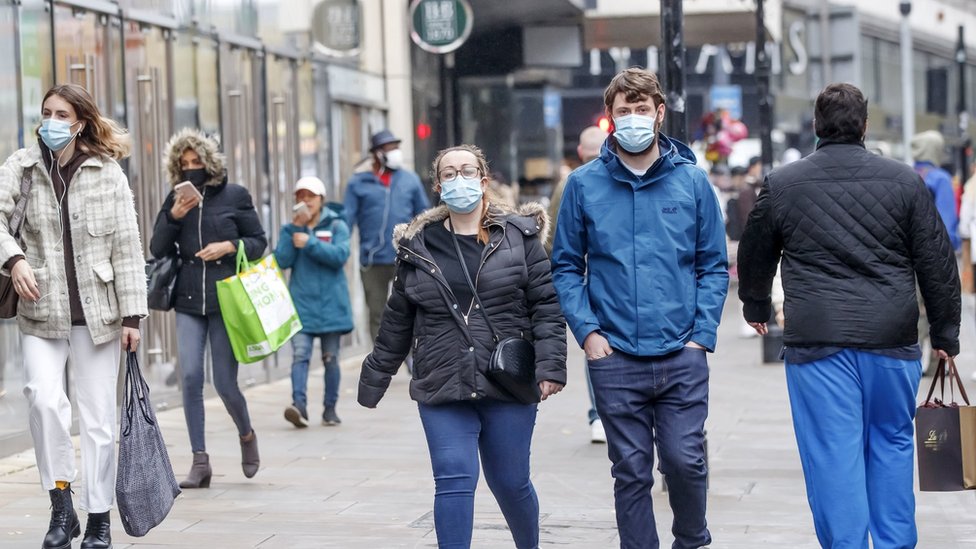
[(853, 414)]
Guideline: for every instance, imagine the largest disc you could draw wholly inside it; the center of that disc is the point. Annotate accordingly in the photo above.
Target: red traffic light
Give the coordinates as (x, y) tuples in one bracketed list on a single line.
[(604, 123), (423, 131)]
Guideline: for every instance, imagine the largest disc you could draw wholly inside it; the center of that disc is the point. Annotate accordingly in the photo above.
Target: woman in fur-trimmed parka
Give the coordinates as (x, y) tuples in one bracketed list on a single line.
[(433, 314), (205, 234)]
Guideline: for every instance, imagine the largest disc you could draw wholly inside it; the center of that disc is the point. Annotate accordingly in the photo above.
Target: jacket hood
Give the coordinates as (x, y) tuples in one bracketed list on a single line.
[(331, 211), (206, 147), (531, 218), (928, 147), (672, 153)]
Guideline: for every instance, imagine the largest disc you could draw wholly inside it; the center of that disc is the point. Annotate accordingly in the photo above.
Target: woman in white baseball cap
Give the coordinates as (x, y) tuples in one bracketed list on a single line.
[(315, 246)]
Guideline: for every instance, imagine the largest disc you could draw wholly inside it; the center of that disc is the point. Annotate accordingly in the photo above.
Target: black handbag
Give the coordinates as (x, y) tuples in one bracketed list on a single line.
[(161, 279), (512, 362), (8, 296)]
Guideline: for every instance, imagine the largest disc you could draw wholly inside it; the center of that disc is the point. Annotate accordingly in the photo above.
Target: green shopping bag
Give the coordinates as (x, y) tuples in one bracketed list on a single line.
[(257, 308)]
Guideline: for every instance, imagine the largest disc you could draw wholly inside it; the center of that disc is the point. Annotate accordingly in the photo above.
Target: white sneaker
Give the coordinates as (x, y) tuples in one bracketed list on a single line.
[(597, 434)]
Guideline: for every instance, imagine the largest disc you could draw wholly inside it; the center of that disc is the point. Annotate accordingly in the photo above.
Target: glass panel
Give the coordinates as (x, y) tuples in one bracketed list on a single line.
[(310, 162), (889, 62), (869, 69), (165, 7), (282, 140), (243, 140), (196, 96), (10, 132), (37, 74), (147, 54), (920, 62), (13, 407), (88, 54), (233, 16)]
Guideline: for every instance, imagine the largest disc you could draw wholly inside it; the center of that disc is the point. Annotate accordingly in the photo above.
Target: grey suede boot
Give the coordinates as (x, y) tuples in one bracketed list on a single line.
[(250, 461), (200, 472)]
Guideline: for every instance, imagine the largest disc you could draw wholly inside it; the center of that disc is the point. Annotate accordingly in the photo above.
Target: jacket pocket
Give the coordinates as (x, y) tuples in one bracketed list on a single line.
[(39, 310), (108, 302), (100, 218)]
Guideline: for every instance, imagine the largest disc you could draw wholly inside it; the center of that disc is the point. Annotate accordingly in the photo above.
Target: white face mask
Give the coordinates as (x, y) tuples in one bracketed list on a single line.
[(393, 159)]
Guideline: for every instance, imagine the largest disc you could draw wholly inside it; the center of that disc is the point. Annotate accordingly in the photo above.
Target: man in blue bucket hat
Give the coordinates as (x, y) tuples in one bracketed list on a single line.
[(376, 201)]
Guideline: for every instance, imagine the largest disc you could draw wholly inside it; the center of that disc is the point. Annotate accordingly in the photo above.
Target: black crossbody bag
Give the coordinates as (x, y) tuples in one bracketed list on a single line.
[(512, 363)]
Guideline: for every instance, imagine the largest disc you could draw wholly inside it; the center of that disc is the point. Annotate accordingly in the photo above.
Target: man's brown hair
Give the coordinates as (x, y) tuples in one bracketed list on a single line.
[(636, 84)]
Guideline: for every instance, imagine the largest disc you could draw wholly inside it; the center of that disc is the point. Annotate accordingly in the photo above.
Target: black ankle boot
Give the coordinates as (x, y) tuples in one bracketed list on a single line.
[(98, 532), (64, 521)]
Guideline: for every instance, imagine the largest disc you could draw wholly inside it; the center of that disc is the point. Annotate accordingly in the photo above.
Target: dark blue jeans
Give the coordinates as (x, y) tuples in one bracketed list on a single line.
[(502, 433), (192, 333), (662, 400), (301, 354)]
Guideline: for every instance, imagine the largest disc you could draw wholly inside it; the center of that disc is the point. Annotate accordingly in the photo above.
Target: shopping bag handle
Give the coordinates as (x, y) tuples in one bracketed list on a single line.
[(946, 368), (137, 388), (242, 257)]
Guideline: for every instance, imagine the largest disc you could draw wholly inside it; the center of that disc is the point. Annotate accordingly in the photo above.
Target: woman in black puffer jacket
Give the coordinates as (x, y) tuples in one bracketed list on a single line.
[(205, 233), (433, 313)]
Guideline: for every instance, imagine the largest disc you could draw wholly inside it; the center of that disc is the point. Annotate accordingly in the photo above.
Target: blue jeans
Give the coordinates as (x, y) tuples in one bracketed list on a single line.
[(302, 352), (592, 415), (853, 415), (502, 433), (192, 332), (662, 400)]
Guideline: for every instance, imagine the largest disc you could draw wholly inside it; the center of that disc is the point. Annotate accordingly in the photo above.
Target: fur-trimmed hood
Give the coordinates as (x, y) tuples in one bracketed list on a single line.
[(531, 218), (206, 147)]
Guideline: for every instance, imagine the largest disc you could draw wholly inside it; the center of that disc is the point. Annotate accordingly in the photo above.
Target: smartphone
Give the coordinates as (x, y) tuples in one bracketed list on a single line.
[(300, 209), (186, 190)]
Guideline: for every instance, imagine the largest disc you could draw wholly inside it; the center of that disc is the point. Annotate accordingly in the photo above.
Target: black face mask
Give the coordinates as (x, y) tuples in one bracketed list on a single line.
[(198, 177)]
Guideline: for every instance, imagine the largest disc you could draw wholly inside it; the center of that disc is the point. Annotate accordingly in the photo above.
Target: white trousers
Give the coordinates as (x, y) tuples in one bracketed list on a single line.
[(94, 377)]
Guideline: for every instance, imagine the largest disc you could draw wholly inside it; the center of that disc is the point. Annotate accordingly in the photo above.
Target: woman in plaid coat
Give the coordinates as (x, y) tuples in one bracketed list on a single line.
[(79, 272)]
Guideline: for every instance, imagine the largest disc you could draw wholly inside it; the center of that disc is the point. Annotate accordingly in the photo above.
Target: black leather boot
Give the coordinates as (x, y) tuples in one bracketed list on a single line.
[(98, 532), (64, 521)]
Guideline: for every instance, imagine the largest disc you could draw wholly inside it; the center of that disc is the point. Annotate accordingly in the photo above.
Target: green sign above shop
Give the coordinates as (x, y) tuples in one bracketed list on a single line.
[(440, 26)]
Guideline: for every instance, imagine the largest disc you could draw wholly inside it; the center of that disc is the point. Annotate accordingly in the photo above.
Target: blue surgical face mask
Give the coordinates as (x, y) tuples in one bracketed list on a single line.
[(634, 132), (461, 194), (56, 134)]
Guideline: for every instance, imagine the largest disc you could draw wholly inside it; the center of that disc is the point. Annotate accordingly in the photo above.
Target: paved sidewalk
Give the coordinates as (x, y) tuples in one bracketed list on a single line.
[(367, 483)]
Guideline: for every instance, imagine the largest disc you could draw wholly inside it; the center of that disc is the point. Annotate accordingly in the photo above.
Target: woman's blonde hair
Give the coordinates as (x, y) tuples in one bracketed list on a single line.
[(101, 136), (482, 167)]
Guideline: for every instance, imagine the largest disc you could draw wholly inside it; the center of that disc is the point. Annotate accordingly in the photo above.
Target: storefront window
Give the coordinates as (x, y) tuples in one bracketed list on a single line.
[(869, 68), (13, 407), (889, 68), (10, 136)]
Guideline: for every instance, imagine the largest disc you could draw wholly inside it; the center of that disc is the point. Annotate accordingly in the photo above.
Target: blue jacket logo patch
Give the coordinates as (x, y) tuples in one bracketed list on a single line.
[(669, 210)]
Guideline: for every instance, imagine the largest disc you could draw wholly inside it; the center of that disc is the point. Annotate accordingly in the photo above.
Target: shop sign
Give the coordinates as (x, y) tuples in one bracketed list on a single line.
[(336, 27), (727, 98), (440, 26)]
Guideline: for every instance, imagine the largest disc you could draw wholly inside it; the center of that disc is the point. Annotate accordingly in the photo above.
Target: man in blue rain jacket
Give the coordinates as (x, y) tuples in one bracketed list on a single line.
[(639, 263), (376, 201)]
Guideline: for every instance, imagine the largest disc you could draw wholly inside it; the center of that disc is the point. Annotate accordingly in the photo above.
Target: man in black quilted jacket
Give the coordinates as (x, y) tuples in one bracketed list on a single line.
[(854, 230)]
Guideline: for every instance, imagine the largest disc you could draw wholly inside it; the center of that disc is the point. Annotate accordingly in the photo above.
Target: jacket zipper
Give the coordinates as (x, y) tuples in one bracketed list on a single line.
[(386, 219), (491, 249), (441, 282), (204, 280)]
